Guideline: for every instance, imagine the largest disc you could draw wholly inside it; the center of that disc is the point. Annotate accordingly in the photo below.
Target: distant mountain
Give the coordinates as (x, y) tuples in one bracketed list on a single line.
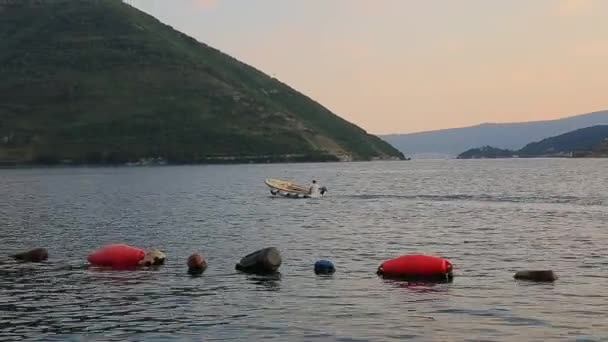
[(102, 82), (584, 142), (450, 142)]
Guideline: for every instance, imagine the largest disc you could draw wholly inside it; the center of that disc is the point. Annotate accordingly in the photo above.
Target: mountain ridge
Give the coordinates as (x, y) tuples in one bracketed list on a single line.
[(452, 141)]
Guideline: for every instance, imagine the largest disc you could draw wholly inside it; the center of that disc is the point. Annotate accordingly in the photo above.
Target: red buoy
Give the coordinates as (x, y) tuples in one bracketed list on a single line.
[(416, 266), (116, 256)]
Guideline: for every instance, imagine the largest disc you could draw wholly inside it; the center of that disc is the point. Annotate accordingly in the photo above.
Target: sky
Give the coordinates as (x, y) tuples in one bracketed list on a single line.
[(399, 66)]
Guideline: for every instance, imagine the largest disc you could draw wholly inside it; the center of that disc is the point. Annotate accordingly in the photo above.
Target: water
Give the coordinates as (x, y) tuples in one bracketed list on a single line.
[(490, 218)]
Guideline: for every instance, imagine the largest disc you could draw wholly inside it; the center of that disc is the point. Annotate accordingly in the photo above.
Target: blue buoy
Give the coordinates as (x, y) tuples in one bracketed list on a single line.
[(324, 267)]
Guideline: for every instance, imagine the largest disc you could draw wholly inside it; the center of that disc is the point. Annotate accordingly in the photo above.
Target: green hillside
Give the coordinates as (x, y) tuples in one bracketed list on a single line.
[(102, 82)]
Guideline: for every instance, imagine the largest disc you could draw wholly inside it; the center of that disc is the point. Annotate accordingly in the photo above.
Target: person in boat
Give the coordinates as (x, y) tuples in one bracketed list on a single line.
[(314, 188)]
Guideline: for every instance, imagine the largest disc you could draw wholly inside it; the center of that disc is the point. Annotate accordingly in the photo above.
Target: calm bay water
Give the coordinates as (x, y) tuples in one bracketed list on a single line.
[(490, 218)]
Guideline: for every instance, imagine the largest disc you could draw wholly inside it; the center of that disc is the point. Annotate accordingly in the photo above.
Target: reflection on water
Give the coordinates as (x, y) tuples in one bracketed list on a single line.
[(419, 286), (269, 282), (490, 218)]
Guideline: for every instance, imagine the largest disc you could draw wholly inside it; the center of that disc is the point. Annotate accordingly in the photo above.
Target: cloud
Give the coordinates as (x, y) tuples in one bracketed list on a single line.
[(569, 8)]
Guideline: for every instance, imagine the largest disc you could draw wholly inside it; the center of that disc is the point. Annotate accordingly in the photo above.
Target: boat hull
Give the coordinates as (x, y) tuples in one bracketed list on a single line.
[(289, 190)]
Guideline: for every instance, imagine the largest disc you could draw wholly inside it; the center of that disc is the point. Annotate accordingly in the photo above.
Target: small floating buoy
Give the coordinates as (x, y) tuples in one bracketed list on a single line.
[(35, 255), (153, 257), (324, 267), (116, 256), (196, 264), (267, 260), (417, 267), (543, 275)]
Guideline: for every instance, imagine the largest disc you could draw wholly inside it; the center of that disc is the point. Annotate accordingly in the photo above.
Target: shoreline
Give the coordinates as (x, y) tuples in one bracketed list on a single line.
[(84, 166), (538, 157), (207, 160), (25, 166)]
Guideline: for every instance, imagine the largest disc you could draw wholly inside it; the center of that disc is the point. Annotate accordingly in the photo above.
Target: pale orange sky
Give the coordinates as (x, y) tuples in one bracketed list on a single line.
[(394, 66)]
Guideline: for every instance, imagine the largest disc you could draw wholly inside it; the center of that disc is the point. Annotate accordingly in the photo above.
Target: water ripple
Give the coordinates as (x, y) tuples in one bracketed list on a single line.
[(490, 219)]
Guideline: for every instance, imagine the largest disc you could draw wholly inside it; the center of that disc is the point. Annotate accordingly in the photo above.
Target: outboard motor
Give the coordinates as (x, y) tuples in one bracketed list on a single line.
[(323, 190)]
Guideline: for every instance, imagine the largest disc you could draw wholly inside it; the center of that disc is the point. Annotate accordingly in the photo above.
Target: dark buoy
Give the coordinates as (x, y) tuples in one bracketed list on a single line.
[(417, 267), (544, 275), (35, 255), (264, 261), (324, 267), (196, 264)]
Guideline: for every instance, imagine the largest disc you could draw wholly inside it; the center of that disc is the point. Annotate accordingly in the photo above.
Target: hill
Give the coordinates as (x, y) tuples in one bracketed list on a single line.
[(102, 82), (579, 141), (450, 142), (585, 142), (486, 152)]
